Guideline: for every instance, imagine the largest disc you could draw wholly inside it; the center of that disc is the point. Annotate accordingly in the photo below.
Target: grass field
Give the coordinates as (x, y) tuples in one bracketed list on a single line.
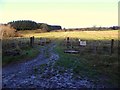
[(89, 35), (100, 67)]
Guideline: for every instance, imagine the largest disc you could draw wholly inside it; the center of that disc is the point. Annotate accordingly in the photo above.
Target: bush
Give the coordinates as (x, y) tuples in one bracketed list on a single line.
[(7, 31)]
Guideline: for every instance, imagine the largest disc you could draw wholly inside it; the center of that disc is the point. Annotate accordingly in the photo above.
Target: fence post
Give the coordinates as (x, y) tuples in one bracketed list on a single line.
[(68, 42), (118, 47), (112, 44), (31, 41)]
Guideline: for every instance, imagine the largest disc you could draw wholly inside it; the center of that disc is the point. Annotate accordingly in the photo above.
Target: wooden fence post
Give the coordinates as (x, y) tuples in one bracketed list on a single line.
[(118, 47), (68, 42), (112, 44), (31, 41), (33, 38)]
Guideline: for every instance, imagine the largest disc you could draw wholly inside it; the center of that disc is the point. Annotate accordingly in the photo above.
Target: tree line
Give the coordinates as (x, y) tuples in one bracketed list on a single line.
[(32, 25), (93, 28)]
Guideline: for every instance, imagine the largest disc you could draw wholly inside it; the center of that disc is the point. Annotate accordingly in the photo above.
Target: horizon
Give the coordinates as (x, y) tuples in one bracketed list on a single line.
[(66, 13), (67, 27)]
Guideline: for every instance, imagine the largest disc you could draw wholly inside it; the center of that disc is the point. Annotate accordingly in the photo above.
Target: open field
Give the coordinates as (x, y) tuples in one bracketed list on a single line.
[(88, 35)]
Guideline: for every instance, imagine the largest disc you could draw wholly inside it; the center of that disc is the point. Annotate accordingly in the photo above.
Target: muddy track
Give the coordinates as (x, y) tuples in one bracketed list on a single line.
[(16, 73)]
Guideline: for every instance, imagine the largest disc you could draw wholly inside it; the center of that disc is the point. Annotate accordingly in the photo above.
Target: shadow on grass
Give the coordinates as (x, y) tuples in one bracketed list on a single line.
[(94, 61), (18, 49)]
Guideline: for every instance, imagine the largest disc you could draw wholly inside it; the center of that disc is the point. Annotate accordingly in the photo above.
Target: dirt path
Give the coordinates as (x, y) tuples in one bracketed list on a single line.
[(14, 75)]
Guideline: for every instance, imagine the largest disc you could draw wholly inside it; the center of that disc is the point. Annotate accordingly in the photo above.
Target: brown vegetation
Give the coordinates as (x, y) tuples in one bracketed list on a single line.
[(7, 31)]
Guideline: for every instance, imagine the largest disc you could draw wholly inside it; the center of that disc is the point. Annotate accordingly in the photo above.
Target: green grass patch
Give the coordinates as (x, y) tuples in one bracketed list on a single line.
[(25, 53), (90, 65)]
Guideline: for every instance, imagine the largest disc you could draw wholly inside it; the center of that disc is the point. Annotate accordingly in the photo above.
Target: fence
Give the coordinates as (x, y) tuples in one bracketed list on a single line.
[(10, 46), (92, 46)]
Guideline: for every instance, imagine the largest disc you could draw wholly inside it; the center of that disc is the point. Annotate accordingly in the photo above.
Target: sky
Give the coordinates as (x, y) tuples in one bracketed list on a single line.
[(67, 13)]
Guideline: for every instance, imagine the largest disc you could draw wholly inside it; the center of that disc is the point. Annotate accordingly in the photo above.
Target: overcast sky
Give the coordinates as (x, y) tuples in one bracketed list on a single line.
[(67, 13)]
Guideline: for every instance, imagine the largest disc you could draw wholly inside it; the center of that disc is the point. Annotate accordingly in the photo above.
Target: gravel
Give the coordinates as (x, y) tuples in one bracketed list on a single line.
[(22, 75)]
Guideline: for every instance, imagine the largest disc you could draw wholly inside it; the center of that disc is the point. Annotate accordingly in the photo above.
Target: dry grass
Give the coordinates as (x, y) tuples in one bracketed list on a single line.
[(6, 31), (89, 35)]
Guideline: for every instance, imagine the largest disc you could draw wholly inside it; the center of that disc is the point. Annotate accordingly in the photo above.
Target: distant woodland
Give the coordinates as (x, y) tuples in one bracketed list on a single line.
[(31, 25)]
